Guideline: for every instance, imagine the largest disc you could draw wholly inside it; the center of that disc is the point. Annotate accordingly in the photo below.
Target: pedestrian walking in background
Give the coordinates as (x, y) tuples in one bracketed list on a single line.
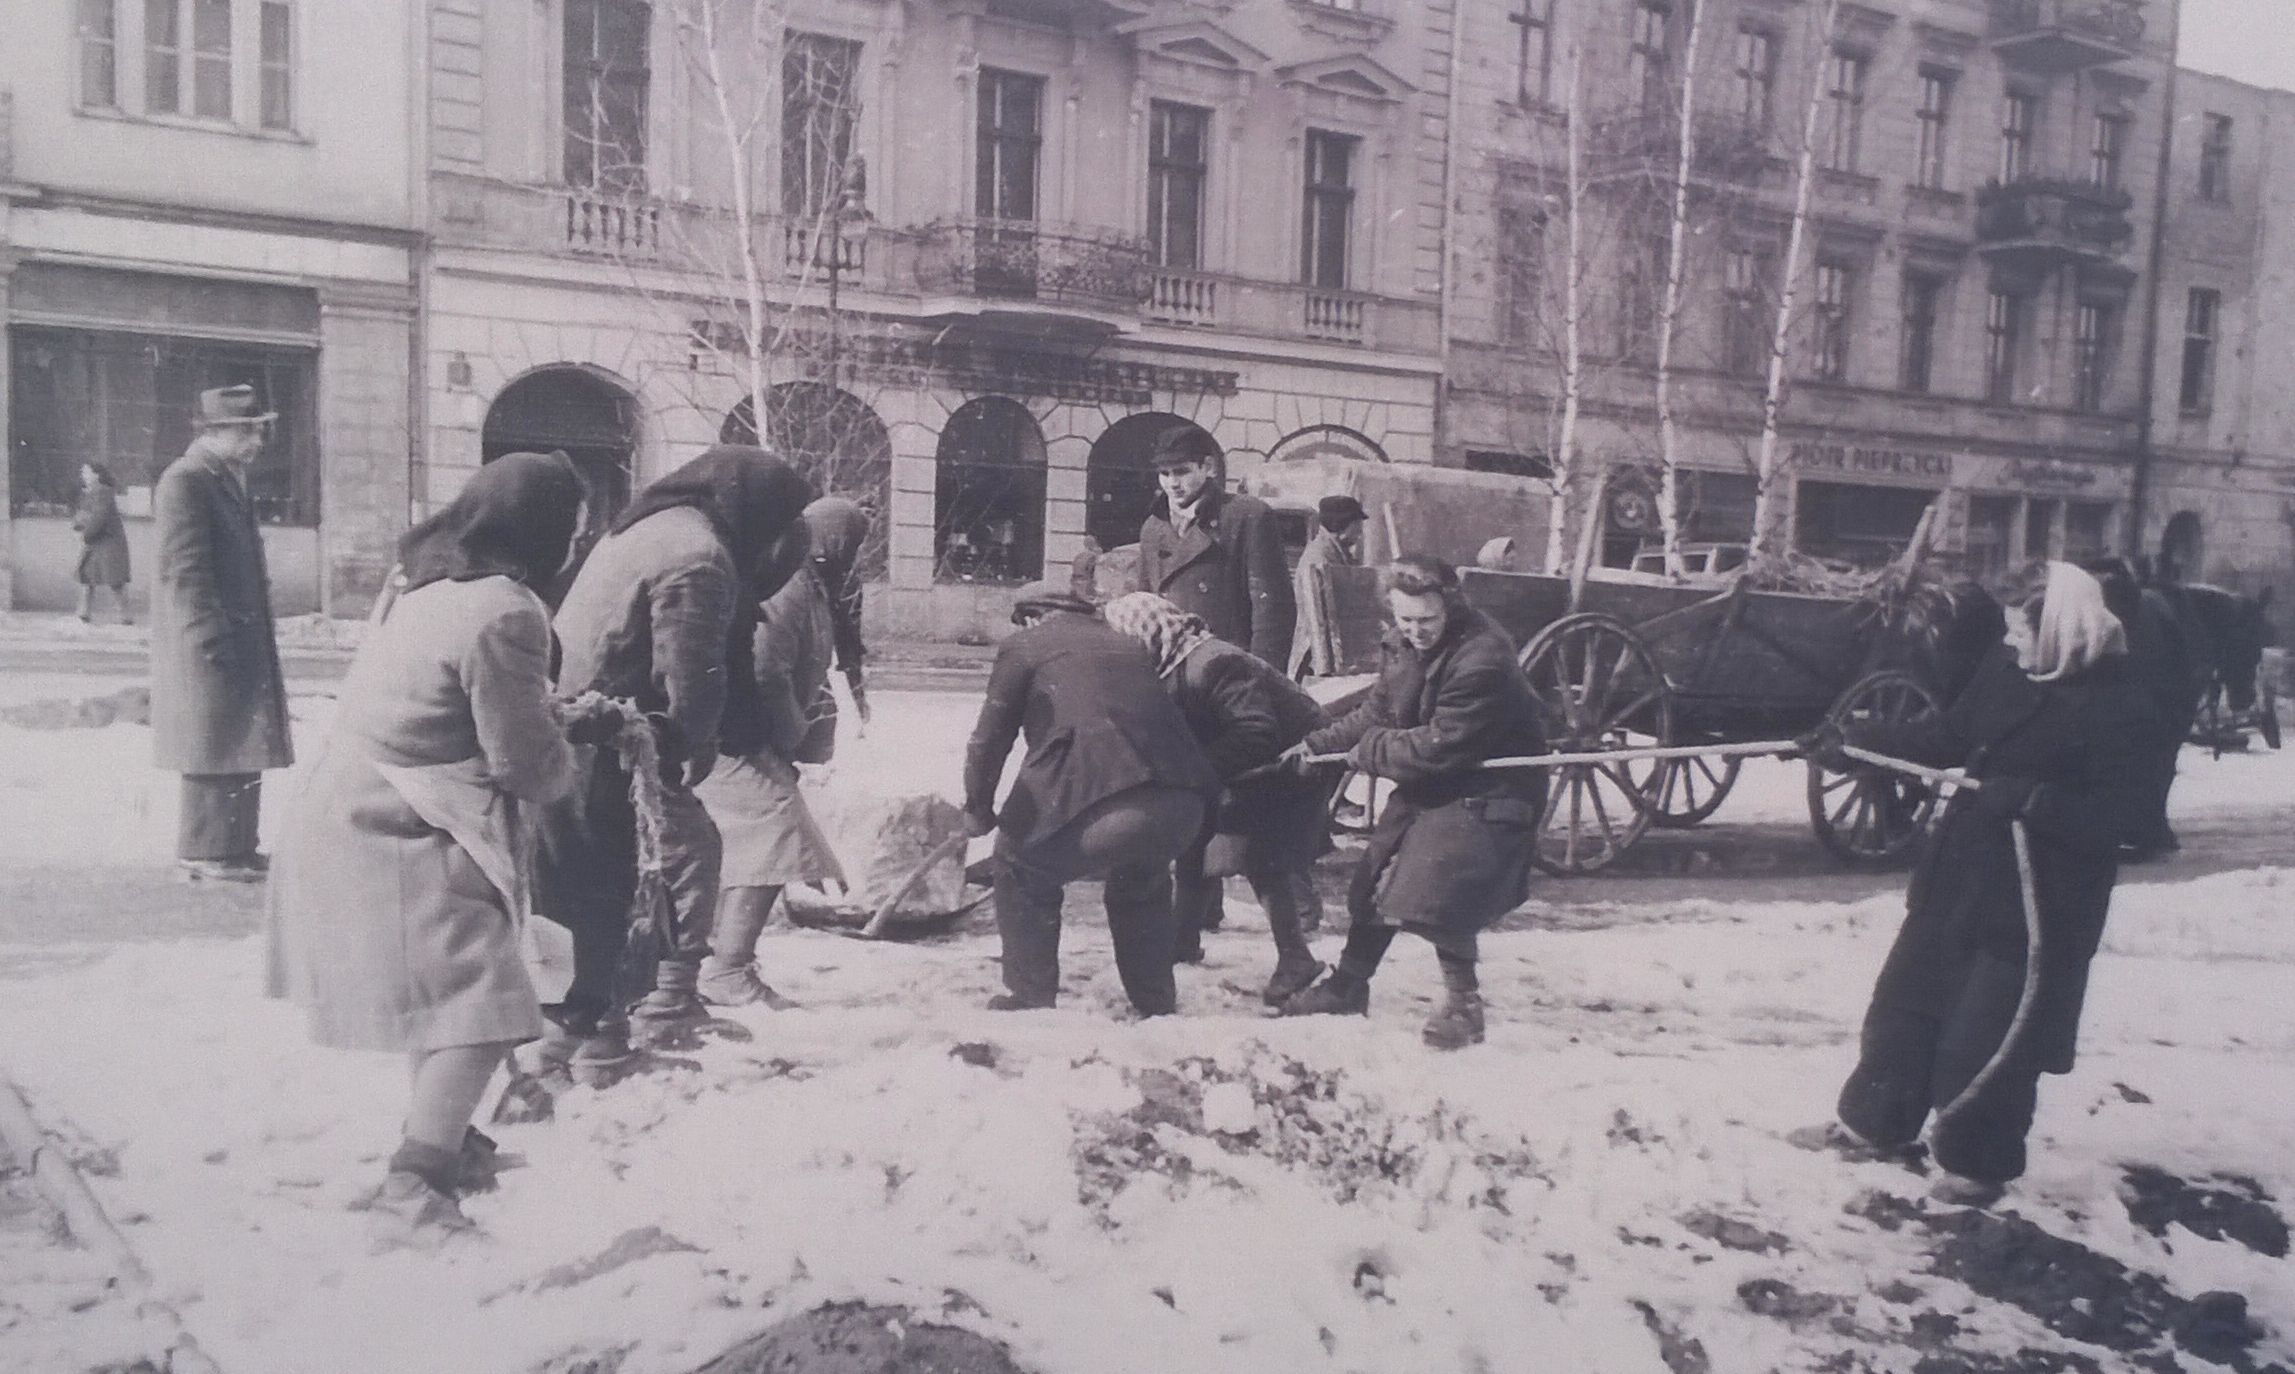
[(1113, 787), (662, 616), (1452, 850), (1215, 555), (1337, 543), (2165, 663), (401, 881), (218, 702), (1269, 829), (2057, 732), (103, 542), (839, 529), (769, 835)]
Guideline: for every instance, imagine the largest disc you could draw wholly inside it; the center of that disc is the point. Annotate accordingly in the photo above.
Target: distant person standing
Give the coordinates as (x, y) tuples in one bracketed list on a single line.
[(218, 703), (1214, 555), (1338, 543), (103, 541), (839, 528)]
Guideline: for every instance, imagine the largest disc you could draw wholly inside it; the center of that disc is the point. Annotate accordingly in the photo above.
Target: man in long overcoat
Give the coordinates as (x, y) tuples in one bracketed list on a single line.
[(1338, 543), (1215, 555), (218, 703)]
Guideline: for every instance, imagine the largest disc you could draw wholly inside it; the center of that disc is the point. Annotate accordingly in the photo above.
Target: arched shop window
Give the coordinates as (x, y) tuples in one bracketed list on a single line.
[(840, 445), (988, 495), (578, 411), (1326, 441)]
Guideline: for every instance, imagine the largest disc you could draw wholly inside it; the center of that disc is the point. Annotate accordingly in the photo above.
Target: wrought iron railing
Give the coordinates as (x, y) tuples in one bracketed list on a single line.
[(2048, 210), (2117, 22), (1062, 264)]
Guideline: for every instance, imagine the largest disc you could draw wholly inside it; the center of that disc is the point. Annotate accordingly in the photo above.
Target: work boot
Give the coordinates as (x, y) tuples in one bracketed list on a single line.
[(480, 1163), (601, 1058), (548, 1057), (728, 984), (1955, 1190), (1293, 975), (409, 1213), (1341, 994), (1012, 1001), (666, 1017), (1457, 1023)]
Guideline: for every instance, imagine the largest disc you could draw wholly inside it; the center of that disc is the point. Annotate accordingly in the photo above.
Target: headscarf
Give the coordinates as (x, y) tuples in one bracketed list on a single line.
[(2076, 628), (1168, 633), (514, 518), (750, 497), (838, 527)]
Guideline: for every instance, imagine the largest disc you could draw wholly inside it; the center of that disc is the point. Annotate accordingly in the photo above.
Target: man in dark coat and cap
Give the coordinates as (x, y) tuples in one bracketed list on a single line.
[(1114, 787), (218, 701), (661, 616), (1212, 554)]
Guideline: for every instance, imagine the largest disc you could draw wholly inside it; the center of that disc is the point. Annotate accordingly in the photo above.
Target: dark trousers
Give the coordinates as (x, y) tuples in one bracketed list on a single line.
[(1196, 894), (586, 879), (1128, 841), (220, 814), (2161, 781), (1914, 1059)]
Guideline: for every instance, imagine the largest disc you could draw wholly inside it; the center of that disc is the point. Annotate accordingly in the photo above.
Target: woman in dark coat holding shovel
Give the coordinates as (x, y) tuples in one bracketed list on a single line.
[(2053, 728), (1451, 852), (1271, 828)]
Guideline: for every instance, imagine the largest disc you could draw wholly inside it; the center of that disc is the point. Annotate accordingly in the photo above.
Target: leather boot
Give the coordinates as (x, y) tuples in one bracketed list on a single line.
[(1340, 994), (1457, 1023), (1293, 974), (665, 1018), (729, 976)]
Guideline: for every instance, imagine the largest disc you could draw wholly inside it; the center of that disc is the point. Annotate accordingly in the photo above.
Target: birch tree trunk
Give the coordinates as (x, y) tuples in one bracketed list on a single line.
[(1669, 311), (1569, 475), (1768, 508), (739, 140)]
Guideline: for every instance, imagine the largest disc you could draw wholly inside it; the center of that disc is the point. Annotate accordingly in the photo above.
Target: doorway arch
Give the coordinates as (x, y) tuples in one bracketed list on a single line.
[(988, 494), (588, 415), (838, 442), (1119, 476)]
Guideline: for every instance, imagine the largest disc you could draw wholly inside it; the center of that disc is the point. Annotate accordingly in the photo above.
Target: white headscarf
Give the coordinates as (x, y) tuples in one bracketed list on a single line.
[(2076, 629)]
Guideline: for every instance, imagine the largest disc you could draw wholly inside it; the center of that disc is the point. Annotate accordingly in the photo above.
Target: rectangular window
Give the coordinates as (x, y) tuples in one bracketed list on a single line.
[(1745, 286), (2107, 142), (2040, 527), (607, 77), (1832, 361), (162, 57), (2019, 112), (1935, 110), (1534, 70), (99, 54), (1916, 365), (1328, 212), (278, 64), (2091, 360), (1179, 163), (1522, 258), (1844, 109), (1990, 521), (2215, 159), (2201, 312), (2087, 531), (1009, 141), (820, 104), (1756, 77), (211, 59), (1649, 57), (2003, 337)]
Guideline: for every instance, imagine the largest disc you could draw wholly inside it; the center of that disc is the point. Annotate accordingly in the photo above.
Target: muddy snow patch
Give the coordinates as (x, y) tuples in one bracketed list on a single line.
[(2237, 1211), (128, 705), (856, 1338)]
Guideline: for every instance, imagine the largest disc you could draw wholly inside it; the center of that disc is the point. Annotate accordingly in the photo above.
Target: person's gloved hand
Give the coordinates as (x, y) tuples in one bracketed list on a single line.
[(590, 719), (1822, 746), (2003, 797), (979, 823), (1294, 760)]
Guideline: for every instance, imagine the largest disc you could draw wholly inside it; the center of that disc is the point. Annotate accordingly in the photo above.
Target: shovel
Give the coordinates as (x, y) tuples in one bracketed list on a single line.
[(952, 847)]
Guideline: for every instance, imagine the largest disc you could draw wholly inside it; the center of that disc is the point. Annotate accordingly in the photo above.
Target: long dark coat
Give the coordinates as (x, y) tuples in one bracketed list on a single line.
[(218, 702), (2084, 741), (1227, 568), (103, 538), (1452, 851), (1096, 720), (1245, 712)]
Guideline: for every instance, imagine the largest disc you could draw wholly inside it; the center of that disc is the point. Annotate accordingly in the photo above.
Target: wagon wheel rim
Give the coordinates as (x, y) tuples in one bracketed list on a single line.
[(1600, 689), (1683, 792), (1866, 815)]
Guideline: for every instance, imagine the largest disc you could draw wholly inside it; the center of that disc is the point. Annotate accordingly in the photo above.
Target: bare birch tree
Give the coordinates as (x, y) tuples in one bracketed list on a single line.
[(1669, 309)]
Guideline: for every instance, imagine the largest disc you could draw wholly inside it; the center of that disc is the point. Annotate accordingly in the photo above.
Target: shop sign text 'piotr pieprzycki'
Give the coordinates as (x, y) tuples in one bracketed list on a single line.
[(1860, 460)]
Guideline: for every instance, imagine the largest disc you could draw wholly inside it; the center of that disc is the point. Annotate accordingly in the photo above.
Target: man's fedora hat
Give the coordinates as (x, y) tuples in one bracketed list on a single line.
[(231, 405)]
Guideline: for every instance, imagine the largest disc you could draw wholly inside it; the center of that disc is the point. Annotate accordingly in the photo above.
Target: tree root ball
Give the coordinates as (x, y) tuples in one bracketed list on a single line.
[(854, 1338)]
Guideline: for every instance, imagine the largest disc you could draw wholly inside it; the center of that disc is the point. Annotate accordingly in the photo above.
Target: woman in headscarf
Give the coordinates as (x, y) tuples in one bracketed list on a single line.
[(662, 617), (1269, 829), (839, 528), (2053, 728), (103, 540), (771, 839), (398, 889)]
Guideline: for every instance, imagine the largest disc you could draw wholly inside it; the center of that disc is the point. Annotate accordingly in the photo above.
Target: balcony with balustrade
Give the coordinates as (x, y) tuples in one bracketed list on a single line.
[(1643, 145), (1033, 276), (2040, 223), (1283, 310), (2056, 36)]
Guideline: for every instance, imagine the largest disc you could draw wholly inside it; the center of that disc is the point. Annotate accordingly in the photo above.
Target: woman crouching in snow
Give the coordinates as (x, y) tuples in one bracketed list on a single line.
[(1245, 713), (2051, 726), (398, 887)]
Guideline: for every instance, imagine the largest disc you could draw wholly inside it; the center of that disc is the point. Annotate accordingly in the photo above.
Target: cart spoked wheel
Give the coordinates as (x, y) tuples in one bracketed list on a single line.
[(1682, 792), (1867, 815), (1601, 689)]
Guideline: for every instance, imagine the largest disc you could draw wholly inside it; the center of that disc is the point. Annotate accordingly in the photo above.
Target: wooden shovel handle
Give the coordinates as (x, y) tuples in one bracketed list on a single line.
[(953, 845)]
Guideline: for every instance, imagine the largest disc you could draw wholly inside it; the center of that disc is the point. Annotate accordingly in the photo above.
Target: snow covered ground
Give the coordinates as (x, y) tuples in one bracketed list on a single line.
[(1605, 1186)]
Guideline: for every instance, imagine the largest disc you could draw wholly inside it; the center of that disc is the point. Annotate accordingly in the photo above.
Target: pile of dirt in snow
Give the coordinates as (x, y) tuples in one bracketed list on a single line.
[(128, 706), (853, 1338), (2238, 1211)]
